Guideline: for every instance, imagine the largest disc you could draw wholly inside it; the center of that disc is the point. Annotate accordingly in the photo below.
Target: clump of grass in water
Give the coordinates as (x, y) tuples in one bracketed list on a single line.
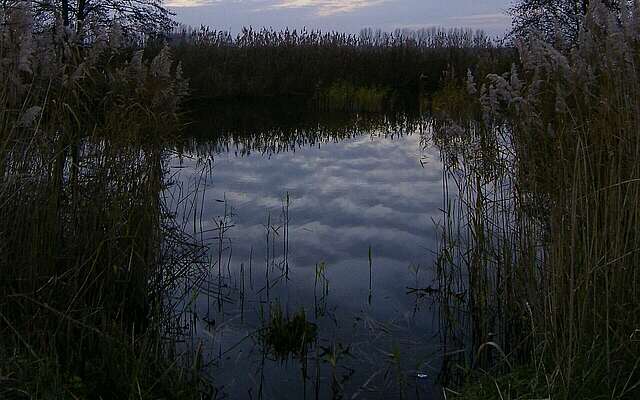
[(289, 335)]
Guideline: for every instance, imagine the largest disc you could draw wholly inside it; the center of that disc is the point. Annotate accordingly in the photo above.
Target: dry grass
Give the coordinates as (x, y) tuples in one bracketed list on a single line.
[(543, 245), (268, 63), (84, 277)]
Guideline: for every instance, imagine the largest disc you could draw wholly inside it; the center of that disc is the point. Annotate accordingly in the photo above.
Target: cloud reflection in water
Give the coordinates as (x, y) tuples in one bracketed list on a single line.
[(365, 190)]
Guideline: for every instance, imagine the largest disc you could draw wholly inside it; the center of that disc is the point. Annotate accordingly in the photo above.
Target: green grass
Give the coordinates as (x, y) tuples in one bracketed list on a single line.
[(343, 96)]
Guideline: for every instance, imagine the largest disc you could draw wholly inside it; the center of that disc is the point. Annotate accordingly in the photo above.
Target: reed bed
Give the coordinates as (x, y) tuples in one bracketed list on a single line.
[(88, 251), (267, 63), (538, 265)]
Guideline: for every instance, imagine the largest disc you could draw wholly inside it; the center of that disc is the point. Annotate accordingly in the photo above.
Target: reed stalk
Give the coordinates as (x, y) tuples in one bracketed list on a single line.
[(541, 240)]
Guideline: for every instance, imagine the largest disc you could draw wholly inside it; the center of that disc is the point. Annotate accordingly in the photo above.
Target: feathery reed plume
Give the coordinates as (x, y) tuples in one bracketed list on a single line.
[(540, 251)]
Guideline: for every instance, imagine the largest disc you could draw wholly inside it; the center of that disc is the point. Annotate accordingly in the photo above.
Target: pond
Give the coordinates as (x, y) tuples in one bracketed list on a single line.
[(319, 228)]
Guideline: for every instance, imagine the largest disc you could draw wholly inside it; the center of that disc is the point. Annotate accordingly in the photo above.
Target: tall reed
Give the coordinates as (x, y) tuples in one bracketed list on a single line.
[(541, 244), (88, 253), (266, 62)]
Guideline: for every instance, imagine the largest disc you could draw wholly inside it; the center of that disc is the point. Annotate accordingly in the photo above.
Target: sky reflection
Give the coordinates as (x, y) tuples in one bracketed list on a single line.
[(378, 191)]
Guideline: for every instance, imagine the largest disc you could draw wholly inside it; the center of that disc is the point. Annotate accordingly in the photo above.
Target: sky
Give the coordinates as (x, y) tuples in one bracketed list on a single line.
[(344, 15)]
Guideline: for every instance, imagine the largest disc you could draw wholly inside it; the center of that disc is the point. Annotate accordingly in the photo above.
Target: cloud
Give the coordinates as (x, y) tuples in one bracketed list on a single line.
[(344, 197), (325, 8), (189, 3), (482, 19), (344, 15)]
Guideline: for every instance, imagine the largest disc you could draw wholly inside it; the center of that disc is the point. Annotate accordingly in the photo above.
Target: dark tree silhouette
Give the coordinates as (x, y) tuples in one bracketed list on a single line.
[(554, 19), (85, 17)]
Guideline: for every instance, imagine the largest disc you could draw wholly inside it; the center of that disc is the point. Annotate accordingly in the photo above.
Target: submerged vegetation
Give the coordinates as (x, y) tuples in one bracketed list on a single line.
[(538, 265)]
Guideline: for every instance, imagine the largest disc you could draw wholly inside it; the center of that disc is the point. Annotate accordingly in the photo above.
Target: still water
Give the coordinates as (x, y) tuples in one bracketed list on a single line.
[(328, 215)]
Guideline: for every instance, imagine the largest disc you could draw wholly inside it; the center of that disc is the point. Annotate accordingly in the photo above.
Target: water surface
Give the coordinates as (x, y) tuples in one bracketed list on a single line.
[(354, 196)]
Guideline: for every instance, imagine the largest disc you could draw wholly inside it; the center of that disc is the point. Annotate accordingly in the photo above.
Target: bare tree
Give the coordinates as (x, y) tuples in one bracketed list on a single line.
[(84, 17), (554, 19)]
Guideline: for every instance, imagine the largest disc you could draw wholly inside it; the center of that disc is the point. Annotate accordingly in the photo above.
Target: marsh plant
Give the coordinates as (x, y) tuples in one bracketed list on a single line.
[(87, 249), (356, 70), (540, 247), (343, 96), (289, 335)]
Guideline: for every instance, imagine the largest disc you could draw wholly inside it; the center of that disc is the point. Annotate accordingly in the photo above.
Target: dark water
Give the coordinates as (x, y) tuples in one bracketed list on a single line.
[(296, 193)]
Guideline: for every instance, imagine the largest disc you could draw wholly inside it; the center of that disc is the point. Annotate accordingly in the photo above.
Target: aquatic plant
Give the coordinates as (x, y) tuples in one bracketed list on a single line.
[(288, 335)]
